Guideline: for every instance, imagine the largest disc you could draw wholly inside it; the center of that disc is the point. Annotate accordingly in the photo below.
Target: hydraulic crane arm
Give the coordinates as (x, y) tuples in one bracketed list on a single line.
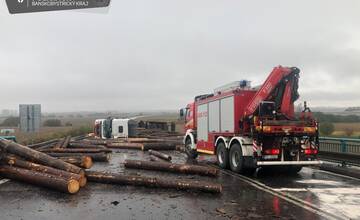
[(280, 87)]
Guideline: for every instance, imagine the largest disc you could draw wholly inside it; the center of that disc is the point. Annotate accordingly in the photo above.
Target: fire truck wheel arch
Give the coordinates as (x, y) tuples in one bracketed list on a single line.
[(247, 149), (222, 139), (190, 135)]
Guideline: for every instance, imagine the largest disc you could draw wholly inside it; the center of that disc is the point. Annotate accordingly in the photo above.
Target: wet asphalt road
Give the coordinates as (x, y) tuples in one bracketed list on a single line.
[(101, 201)]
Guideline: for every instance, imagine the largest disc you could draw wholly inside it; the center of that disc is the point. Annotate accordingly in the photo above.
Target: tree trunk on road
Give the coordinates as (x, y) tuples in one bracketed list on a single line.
[(38, 157), (160, 155), (80, 161), (41, 179), (171, 167), (103, 177), (11, 160)]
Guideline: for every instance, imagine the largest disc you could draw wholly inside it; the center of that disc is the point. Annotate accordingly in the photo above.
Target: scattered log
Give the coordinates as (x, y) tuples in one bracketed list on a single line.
[(103, 177), (66, 142), (99, 157), (38, 157), (80, 161), (42, 179), (14, 161), (136, 146), (160, 155), (171, 167), (144, 140), (60, 143), (159, 146), (85, 145), (75, 150), (95, 142), (156, 159), (43, 144)]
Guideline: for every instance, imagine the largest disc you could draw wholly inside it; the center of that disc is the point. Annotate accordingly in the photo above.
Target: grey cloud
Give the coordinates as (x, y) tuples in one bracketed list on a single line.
[(147, 55)]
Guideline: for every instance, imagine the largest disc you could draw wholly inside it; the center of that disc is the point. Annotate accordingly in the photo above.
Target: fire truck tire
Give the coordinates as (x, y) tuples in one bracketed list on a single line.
[(236, 159), (191, 153), (222, 155)]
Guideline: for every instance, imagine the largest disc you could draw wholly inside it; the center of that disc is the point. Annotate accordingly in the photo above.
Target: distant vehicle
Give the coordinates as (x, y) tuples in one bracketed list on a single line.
[(248, 127), (115, 128), (7, 131), (10, 138)]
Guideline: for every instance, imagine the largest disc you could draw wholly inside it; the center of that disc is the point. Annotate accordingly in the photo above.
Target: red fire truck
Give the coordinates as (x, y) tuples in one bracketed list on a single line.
[(248, 127)]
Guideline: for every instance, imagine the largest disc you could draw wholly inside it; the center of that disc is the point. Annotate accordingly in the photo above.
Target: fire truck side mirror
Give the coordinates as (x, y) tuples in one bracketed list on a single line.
[(181, 113)]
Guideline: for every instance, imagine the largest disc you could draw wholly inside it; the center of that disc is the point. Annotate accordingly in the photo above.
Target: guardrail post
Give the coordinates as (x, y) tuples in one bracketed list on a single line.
[(343, 146)]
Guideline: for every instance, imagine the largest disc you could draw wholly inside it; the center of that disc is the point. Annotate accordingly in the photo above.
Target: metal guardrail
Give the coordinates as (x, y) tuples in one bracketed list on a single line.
[(345, 150)]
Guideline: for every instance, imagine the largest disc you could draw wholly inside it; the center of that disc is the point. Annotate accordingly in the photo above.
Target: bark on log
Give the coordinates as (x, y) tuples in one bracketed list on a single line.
[(14, 161), (41, 179), (75, 150), (156, 159), (103, 177), (95, 142), (80, 161), (43, 144), (135, 146), (144, 140), (66, 142), (60, 143), (160, 155), (159, 146), (171, 167), (85, 145), (38, 157), (100, 157)]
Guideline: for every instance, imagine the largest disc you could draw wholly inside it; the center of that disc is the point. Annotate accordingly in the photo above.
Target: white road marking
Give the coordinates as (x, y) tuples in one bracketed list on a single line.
[(291, 189), (4, 181)]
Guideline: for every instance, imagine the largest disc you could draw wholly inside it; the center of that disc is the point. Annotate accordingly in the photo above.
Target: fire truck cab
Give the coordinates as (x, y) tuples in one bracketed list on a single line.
[(248, 127)]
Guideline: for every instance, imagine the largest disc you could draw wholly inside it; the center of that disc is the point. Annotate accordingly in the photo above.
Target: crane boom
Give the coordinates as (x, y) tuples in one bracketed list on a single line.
[(280, 87)]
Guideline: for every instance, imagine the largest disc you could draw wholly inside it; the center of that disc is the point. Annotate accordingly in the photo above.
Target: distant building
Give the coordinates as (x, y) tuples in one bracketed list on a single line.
[(30, 117)]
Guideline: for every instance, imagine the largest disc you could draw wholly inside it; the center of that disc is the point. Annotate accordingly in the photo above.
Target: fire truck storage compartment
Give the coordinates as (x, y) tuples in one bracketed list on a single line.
[(227, 114), (215, 117), (202, 122)]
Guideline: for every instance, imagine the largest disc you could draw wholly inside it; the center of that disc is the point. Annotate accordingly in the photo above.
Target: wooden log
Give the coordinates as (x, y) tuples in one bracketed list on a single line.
[(145, 140), (156, 159), (38, 157), (60, 143), (41, 179), (80, 161), (171, 167), (136, 146), (95, 142), (85, 145), (43, 144), (159, 146), (14, 161), (160, 155), (75, 150), (111, 178), (66, 142), (99, 157)]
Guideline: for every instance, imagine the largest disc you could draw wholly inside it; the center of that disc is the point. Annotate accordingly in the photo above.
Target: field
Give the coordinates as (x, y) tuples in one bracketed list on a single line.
[(342, 128)]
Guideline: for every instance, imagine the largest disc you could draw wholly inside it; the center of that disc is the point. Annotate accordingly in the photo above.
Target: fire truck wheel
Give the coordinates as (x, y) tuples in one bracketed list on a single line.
[(236, 159), (191, 153), (222, 156)]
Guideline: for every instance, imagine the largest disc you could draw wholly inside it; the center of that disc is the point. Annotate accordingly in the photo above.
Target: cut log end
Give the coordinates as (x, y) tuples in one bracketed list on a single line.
[(88, 162), (82, 181), (73, 186)]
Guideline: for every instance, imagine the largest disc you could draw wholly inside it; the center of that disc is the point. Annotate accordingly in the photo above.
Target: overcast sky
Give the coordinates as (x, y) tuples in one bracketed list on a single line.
[(153, 54)]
